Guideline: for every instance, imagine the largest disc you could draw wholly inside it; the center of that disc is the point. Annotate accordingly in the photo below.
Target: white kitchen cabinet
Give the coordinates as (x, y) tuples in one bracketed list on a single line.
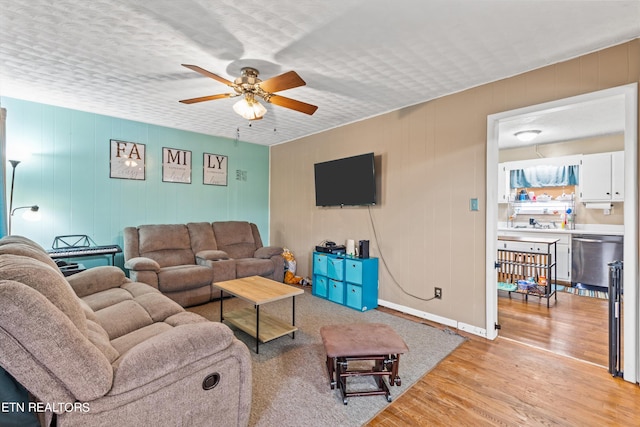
[(504, 187), (602, 177), (617, 176), (563, 263)]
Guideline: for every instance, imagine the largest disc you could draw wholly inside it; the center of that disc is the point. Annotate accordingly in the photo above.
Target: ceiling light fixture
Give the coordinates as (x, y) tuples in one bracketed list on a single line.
[(527, 135), (249, 108)]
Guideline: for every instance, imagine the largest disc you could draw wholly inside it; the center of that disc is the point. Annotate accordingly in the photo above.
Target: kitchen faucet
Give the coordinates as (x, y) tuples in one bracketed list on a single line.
[(536, 224)]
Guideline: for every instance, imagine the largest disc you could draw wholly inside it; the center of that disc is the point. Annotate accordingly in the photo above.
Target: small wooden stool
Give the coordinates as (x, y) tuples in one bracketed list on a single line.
[(362, 341)]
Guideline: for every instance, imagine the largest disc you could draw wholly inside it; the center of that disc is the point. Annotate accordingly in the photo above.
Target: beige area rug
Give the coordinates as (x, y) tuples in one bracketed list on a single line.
[(290, 380)]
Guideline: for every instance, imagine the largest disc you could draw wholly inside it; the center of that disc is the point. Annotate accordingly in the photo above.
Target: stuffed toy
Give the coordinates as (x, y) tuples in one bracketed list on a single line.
[(290, 277)]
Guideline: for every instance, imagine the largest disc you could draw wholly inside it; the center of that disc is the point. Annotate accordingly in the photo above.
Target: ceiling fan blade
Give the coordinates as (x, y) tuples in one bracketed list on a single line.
[(292, 104), (206, 98), (208, 74), (284, 81)]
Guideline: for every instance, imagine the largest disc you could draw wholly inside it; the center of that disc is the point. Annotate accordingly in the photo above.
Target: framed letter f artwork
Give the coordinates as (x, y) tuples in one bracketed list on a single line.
[(127, 160)]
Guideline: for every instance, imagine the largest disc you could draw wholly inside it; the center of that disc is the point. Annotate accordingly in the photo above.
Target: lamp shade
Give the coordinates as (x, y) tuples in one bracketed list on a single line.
[(32, 214), (249, 108)]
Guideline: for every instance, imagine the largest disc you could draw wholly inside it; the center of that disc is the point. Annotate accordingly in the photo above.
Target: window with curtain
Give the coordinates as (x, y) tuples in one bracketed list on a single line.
[(544, 176)]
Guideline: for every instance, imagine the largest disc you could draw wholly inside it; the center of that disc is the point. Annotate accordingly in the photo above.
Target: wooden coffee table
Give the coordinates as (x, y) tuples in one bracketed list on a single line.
[(258, 290)]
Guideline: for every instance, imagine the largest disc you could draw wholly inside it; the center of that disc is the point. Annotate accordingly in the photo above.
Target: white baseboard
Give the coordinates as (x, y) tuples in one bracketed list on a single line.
[(475, 330), (421, 314)]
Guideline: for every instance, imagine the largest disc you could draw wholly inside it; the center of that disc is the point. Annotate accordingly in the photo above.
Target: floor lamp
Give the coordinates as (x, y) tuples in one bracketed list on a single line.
[(32, 214), (14, 163)]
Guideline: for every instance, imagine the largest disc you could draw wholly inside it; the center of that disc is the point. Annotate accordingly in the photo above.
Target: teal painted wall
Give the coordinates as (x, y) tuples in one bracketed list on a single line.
[(67, 175)]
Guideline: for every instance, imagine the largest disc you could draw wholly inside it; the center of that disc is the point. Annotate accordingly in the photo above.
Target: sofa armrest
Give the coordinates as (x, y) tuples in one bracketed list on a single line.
[(142, 264), (97, 279), (169, 352), (267, 252), (211, 255)]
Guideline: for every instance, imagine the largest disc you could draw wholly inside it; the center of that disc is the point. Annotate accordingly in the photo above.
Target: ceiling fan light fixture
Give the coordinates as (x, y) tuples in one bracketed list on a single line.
[(249, 108), (527, 135), (250, 87)]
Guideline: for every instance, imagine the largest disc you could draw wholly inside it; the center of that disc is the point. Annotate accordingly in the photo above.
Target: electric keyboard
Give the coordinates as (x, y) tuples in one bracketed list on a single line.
[(71, 252)]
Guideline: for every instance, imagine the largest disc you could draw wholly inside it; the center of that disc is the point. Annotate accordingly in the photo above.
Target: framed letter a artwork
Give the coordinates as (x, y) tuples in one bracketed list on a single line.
[(215, 169), (127, 160), (176, 165)]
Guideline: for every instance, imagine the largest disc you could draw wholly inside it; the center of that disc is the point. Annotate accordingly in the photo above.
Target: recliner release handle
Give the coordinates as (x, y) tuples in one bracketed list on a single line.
[(211, 381)]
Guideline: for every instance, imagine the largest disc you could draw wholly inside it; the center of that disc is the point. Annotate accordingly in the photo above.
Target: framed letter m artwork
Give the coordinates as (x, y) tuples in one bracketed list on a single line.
[(127, 160), (176, 165), (215, 169)]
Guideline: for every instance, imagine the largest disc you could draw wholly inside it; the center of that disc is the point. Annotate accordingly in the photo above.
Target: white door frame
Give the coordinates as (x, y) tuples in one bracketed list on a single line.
[(631, 321)]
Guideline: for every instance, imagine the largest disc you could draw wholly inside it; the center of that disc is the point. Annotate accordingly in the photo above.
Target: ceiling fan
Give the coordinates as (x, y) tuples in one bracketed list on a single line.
[(249, 86)]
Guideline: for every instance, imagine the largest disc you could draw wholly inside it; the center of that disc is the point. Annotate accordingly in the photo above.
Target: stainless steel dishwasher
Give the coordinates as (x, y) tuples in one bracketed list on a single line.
[(591, 254)]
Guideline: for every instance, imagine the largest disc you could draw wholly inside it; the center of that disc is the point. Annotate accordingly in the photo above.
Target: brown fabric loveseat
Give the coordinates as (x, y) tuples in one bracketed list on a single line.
[(104, 350), (184, 260)]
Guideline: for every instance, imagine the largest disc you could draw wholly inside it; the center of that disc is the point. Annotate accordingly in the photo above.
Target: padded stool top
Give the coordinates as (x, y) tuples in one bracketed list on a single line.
[(361, 339)]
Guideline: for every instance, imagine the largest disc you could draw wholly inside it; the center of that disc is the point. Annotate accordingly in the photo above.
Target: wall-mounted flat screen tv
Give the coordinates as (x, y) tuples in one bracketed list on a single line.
[(346, 182)]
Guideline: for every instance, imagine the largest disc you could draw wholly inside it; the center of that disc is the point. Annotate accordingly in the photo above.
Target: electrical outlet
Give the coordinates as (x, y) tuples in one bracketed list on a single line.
[(438, 293)]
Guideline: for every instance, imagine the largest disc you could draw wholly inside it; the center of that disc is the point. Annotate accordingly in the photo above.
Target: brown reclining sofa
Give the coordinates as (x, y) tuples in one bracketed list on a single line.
[(96, 349), (184, 260)]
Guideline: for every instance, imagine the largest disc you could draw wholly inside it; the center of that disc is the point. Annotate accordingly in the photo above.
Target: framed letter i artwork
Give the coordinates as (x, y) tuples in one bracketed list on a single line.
[(176, 165), (127, 160), (215, 169)]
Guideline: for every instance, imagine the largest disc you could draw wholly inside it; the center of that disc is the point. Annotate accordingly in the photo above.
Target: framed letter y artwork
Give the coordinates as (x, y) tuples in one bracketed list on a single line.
[(215, 169), (127, 160)]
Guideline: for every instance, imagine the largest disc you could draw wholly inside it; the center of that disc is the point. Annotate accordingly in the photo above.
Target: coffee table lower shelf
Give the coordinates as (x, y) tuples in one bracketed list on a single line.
[(270, 327)]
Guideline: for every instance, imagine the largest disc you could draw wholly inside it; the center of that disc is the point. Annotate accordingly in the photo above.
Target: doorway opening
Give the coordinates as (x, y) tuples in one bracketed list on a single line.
[(496, 125)]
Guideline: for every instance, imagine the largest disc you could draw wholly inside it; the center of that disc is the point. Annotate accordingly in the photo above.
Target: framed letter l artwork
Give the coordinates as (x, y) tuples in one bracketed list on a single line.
[(215, 169), (127, 160), (176, 165)]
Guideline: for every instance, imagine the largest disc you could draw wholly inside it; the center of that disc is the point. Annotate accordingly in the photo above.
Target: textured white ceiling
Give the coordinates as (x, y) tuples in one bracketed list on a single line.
[(360, 58), (580, 120)]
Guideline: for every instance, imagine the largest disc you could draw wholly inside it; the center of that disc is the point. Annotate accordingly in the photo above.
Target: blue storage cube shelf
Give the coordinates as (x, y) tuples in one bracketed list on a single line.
[(335, 268), (319, 264), (346, 280)]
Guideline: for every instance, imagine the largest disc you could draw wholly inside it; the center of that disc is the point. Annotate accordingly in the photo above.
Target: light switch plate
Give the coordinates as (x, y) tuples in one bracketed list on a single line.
[(473, 204)]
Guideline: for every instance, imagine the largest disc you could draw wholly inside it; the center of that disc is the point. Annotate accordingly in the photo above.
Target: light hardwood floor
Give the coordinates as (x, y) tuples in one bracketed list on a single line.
[(531, 375), (577, 327)]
